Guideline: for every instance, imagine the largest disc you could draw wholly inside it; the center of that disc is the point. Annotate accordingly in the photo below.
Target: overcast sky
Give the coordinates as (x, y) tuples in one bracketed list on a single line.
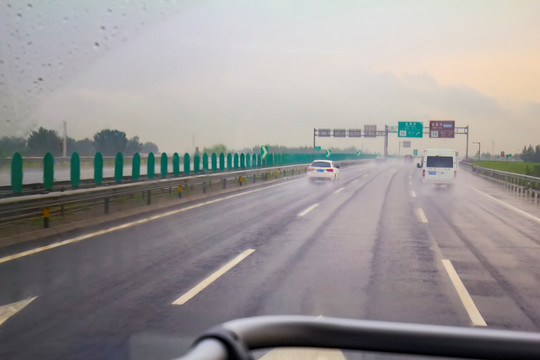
[(245, 73)]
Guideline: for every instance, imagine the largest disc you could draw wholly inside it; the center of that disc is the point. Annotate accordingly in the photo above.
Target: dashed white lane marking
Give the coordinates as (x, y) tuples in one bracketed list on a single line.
[(308, 210), (470, 307), (413, 193), (339, 190), (508, 206), (410, 182), (210, 279), (354, 181), (127, 225), (421, 216), (7, 311)]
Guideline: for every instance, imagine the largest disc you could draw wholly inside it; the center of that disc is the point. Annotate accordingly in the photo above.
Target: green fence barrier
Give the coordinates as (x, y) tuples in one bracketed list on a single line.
[(98, 168), (119, 167), (196, 163), (236, 161), (242, 161), (164, 165), (222, 162), (150, 166), (187, 164), (248, 161), (75, 169), (16, 173), (205, 162), (259, 161), (214, 162), (229, 161), (176, 164), (136, 166), (48, 171)]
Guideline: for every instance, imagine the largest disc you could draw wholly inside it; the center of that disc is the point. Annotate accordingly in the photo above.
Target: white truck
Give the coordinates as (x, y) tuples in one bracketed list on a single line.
[(439, 166)]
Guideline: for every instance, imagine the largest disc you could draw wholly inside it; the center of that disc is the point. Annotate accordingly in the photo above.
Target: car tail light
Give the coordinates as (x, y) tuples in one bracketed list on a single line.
[(424, 173), (330, 170), (455, 173)]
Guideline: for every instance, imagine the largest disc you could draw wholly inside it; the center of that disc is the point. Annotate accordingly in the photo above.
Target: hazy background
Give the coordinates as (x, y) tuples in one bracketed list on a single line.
[(244, 73)]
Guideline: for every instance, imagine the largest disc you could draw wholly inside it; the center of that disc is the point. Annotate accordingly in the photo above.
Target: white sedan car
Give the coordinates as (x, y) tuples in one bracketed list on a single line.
[(323, 170)]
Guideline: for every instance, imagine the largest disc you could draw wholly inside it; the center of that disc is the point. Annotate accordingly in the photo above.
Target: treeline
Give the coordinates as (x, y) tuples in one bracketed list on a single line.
[(530, 154), (108, 142)]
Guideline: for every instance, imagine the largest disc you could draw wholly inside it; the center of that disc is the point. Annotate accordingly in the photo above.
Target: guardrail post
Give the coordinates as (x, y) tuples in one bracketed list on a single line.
[(46, 216), (148, 197), (106, 205), (240, 180), (204, 187), (180, 191), (224, 183)]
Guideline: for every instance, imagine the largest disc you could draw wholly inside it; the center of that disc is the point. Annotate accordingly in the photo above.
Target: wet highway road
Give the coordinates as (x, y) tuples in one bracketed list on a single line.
[(379, 245)]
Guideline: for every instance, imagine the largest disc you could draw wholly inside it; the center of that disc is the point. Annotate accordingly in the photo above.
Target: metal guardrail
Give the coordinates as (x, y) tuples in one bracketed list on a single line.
[(23, 207), (235, 339), (522, 185)]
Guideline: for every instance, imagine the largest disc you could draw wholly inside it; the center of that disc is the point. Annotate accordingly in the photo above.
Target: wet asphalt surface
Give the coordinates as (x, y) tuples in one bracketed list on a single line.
[(363, 252)]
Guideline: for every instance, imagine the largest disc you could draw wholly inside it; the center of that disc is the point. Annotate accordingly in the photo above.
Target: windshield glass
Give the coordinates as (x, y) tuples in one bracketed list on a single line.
[(169, 165)]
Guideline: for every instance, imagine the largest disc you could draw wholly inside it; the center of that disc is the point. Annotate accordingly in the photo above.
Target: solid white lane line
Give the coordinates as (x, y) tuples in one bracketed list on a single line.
[(413, 194), (472, 310), (508, 206), (210, 279), (421, 216), (127, 225), (308, 210), (339, 190), (7, 311)]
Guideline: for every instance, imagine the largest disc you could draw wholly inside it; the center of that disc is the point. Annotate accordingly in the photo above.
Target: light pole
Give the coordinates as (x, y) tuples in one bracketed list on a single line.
[(478, 142)]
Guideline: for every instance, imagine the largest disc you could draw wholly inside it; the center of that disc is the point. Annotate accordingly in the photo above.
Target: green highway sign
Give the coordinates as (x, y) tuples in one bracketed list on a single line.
[(358, 152), (264, 151), (328, 152), (412, 129)]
